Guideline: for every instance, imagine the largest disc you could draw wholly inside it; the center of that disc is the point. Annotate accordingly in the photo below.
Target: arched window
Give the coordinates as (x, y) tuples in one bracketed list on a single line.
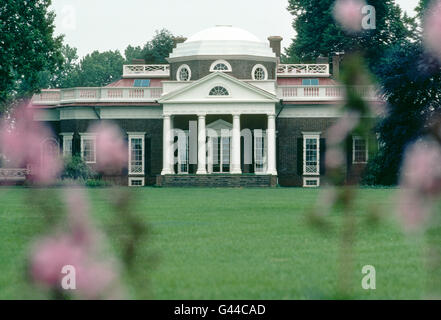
[(259, 72), (184, 73), (220, 66), (219, 91)]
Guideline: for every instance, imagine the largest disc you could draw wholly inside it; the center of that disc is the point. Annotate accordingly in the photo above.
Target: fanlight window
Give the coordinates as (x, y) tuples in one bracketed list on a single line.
[(220, 66), (219, 91)]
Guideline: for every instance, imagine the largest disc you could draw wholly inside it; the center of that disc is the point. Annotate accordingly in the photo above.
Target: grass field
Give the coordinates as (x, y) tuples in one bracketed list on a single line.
[(228, 244)]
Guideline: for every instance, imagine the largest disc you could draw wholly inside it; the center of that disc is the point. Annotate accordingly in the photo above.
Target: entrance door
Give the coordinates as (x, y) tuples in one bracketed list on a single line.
[(219, 154), (183, 152)]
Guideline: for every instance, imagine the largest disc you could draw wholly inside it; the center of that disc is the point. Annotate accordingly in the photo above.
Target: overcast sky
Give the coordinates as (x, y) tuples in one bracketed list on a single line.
[(113, 24)]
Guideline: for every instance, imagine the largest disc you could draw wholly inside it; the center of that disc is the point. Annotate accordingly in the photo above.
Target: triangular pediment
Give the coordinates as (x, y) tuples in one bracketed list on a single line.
[(219, 125), (199, 91)]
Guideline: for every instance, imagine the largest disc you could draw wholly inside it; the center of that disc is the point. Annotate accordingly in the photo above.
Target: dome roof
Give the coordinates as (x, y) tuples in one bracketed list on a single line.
[(222, 41), (223, 33)]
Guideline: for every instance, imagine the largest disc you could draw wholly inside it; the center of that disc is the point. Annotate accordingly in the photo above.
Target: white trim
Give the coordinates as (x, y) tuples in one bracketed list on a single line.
[(226, 63), (67, 138), (305, 185), (315, 136), (178, 77), (139, 135), (88, 136), (354, 138), (254, 70), (131, 179)]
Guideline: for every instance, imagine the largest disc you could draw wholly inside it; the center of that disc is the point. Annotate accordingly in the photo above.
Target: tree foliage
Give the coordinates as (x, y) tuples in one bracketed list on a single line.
[(318, 33), (154, 51), (27, 47), (411, 81)]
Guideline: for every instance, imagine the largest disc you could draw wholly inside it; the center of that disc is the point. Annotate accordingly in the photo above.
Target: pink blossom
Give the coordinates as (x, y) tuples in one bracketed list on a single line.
[(25, 142), (51, 255), (348, 13), (432, 29), (97, 280), (422, 168), (111, 148)]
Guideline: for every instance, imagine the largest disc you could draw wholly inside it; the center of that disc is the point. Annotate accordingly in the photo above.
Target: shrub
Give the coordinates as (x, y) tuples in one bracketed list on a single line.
[(75, 168)]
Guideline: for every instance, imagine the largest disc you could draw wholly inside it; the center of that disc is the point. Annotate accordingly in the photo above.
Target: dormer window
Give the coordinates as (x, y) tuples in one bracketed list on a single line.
[(220, 66), (259, 73), (184, 73), (219, 91)]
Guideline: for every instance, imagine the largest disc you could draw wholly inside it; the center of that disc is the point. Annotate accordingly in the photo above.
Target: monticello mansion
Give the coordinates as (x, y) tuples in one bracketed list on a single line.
[(223, 112)]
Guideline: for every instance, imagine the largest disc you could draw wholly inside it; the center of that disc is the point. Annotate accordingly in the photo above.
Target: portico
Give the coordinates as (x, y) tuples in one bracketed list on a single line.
[(227, 134)]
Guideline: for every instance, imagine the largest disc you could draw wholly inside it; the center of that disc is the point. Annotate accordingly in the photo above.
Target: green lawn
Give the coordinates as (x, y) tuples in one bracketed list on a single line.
[(228, 244)]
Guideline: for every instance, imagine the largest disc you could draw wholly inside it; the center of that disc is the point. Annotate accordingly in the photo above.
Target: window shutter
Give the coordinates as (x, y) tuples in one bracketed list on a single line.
[(147, 155), (349, 151), (322, 156), (300, 156)]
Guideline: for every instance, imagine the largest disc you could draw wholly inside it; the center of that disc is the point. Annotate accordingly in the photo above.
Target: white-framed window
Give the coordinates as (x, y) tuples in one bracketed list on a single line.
[(311, 153), (67, 143), (311, 182), (260, 151), (219, 91), (259, 73), (220, 66), (183, 73), (360, 152), (88, 147), (136, 182), (136, 152)]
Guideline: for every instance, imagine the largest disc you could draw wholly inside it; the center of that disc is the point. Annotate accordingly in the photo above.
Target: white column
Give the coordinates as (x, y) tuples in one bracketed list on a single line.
[(166, 146), (271, 138), (202, 151), (235, 144)]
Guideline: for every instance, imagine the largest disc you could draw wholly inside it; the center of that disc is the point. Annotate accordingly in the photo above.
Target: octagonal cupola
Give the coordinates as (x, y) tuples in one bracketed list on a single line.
[(222, 49), (222, 41)]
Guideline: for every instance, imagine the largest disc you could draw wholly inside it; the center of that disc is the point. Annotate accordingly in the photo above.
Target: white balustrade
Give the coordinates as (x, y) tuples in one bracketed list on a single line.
[(316, 70), (97, 95), (323, 93), (147, 70)]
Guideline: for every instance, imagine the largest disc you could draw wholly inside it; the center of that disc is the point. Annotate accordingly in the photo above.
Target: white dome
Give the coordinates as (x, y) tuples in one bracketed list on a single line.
[(223, 41), (224, 33)]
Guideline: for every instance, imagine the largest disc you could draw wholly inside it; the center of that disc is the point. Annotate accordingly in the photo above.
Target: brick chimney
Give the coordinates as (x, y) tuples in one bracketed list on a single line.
[(336, 59), (177, 40), (275, 43), (322, 60), (138, 61)]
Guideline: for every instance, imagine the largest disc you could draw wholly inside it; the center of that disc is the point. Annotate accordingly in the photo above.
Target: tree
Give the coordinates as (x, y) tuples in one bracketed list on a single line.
[(65, 75), (99, 69), (133, 53), (318, 34), (411, 81), (154, 51), (27, 47)]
